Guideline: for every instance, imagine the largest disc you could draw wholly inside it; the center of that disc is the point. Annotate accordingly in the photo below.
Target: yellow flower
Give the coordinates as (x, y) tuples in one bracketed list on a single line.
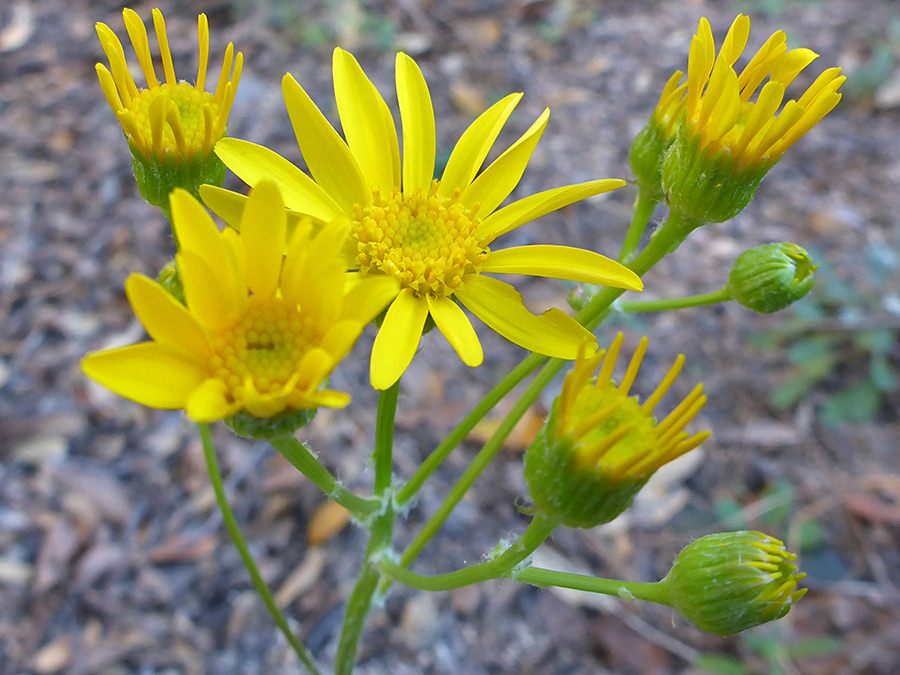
[(261, 329), (600, 445), (169, 119), (432, 236), (719, 112)]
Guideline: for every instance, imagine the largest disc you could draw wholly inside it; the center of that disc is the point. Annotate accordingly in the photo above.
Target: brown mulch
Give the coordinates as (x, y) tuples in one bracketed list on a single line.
[(113, 558)]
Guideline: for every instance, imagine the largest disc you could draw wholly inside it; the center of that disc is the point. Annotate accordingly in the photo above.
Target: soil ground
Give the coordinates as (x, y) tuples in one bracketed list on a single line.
[(113, 557)]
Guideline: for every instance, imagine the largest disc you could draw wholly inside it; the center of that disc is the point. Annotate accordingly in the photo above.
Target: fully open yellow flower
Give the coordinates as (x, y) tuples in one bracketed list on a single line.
[(719, 112), (167, 119), (433, 236), (261, 329)]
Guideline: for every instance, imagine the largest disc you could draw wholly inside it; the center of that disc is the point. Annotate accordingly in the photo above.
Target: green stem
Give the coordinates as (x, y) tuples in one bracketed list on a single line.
[(652, 592), (234, 530), (305, 462), (722, 295), (643, 212), (494, 568), (360, 600)]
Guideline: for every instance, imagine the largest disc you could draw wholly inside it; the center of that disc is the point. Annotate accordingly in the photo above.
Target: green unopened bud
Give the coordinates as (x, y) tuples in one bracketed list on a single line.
[(728, 582), (270, 428), (771, 277)]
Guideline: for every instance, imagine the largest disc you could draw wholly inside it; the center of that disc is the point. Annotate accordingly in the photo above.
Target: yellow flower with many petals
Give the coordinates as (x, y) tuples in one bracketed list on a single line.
[(433, 236), (266, 319), (720, 112), (600, 446), (166, 119)]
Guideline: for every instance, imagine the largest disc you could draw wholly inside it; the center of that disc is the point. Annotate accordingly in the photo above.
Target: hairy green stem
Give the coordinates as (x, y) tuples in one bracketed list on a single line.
[(305, 462), (493, 568), (237, 537), (643, 211), (360, 600), (722, 295), (629, 590)]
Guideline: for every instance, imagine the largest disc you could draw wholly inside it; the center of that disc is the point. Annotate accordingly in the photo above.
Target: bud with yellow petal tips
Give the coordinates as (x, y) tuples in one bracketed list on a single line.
[(770, 277), (733, 131), (600, 446), (729, 582), (171, 126)]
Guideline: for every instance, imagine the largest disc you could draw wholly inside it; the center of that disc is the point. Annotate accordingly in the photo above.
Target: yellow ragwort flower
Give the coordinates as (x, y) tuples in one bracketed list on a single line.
[(166, 119), (262, 328), (600, 446), (719, 112), (433, 236)]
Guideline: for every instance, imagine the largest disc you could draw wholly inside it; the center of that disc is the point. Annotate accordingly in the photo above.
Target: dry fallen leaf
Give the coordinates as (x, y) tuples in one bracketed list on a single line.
[(329, 519), (519, 439)]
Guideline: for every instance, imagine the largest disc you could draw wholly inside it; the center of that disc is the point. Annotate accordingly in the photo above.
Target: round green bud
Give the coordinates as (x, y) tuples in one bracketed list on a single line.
[(565, 491), (272, 428), (728, 582), (771, 277)]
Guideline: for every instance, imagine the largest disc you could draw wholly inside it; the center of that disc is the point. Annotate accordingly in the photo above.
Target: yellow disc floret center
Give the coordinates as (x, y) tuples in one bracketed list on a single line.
[(427, 242), (181, 100), (264, 349), (618, 430)]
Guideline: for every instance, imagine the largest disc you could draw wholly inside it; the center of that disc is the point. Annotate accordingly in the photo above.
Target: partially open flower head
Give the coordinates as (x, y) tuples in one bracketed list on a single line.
[(731, 581), (432, 236), (600, 446), (171, 125), (265, 322), (733, 131)]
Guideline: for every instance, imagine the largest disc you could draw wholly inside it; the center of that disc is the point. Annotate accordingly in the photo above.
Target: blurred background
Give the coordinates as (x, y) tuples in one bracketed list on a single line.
[(113, 558)]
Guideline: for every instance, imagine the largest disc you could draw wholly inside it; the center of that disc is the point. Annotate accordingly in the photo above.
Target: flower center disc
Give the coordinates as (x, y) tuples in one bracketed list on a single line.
[(425, 241), (190, 104), (627, 413), (263, 349)]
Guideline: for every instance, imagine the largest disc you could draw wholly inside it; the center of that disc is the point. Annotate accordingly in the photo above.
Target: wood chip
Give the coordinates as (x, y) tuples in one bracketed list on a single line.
[(329, 519)]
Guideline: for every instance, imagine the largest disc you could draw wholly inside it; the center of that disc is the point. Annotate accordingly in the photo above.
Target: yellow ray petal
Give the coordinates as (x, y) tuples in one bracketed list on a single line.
[(368, 296), (229, 206), (417, 118), (792, 64), (210, 295), (138, 35), (193, 225), (108, 85), (159, 24), (562, 262), (498, 180), (396, 342), (457, 328), (146, 373), (534, 206), (166, 320), (253, 163), (208, 402), (473, 146), (327, 398), (329, 159), (263, 229), (313, 274), (368, 125), (202, 50), (115, 53), (500, 306)]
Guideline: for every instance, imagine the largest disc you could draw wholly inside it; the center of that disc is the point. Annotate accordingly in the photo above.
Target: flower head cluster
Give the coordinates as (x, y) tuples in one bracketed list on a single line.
[(600, 445), (728, 582), (170, 119), (266, 319), (432, 236)]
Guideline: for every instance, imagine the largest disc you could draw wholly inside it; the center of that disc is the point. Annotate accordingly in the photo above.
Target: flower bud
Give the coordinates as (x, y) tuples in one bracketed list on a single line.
[(599, 446), (728, 582), (771, 277)]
